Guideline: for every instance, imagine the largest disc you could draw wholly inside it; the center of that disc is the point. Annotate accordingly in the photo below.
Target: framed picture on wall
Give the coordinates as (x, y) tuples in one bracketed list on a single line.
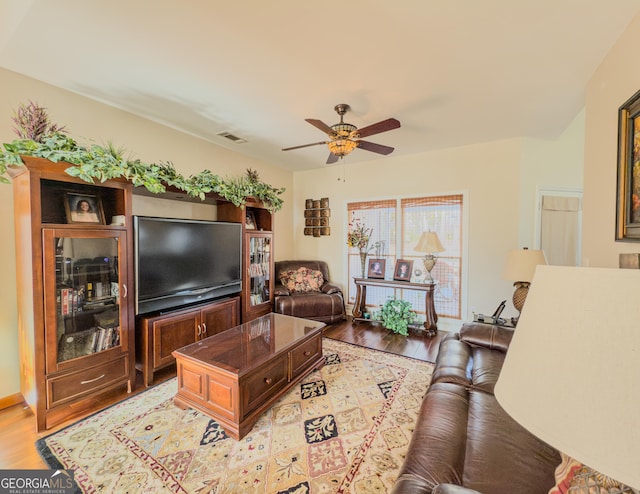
[(403, 269), (376, 268), (628, 191), (83, 208)]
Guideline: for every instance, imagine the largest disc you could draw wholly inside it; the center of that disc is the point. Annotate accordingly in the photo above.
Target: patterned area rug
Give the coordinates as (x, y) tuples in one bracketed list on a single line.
[(344, 429)]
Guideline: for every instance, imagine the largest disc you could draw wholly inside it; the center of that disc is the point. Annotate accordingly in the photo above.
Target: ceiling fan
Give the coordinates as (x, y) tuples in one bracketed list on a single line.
[(345, 137)]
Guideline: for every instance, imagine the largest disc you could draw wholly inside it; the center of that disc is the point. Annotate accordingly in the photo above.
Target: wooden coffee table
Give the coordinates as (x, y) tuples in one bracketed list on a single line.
[(234, 376)]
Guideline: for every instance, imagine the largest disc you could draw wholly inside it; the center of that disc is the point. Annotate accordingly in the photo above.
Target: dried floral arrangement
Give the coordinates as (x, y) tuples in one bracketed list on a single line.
[(358, 235), (39, 137)]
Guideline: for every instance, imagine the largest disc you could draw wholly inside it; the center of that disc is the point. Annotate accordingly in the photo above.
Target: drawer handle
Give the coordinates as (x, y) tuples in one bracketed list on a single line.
[(199, 330), (92, 380), (268, 380), (307, 353), (204, 328)]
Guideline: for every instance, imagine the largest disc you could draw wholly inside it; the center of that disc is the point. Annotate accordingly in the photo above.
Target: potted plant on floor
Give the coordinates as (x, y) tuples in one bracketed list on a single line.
[(396, 315)]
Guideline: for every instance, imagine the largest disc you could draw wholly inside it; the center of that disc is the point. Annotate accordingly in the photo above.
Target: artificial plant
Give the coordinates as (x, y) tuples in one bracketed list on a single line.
[(41, 138), (396, 315)]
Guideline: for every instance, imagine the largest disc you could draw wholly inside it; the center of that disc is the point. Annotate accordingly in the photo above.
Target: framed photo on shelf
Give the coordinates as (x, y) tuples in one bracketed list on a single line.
[(83, 208), (403, 269), (376, 268), (250, 222)]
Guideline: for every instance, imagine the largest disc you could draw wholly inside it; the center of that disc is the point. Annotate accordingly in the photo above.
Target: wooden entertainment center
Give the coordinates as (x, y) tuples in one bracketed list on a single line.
[(79, 340)]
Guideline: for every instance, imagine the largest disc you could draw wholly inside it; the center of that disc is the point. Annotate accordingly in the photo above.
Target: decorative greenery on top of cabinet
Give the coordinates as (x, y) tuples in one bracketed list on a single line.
[(40, 138)]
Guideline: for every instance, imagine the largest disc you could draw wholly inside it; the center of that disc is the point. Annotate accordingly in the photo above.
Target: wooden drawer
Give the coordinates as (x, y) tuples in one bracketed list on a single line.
[(74, 385), (263, 383), (305, 354)]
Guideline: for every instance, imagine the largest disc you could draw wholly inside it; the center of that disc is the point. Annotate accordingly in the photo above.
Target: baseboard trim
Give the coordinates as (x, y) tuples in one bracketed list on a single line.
[(11, 400)]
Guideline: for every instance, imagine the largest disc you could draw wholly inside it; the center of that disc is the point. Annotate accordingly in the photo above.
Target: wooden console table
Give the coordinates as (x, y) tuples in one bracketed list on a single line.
[(431, 318)]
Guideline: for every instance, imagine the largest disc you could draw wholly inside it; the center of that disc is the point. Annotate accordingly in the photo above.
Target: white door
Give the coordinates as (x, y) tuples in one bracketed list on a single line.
[(559, 225)]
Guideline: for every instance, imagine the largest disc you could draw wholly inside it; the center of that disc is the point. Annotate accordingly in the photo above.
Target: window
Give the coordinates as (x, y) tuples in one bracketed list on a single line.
[(397, 225)]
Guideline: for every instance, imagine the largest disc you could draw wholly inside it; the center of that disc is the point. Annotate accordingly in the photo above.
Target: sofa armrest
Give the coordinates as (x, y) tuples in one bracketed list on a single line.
[(330, 288), (452, 489), (486, 335), (280, 291)]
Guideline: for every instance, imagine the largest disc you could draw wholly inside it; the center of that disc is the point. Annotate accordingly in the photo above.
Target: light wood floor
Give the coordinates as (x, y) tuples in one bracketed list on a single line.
[(17, 424)]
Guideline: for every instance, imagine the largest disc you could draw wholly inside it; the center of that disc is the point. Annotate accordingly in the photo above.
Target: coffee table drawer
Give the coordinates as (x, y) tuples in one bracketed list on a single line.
[(305, 354), (263, 383)]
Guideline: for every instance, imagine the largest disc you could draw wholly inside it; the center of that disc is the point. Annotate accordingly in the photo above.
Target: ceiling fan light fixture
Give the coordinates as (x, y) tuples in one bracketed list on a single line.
[(342, 147), (345, 137), (344, 130)]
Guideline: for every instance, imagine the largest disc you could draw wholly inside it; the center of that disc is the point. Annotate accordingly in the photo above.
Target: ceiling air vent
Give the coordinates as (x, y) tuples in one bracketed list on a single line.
[(231, 137)]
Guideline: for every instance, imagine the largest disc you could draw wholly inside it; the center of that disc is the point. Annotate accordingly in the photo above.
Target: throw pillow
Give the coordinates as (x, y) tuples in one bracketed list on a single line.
[(302, 280), (572, 477)]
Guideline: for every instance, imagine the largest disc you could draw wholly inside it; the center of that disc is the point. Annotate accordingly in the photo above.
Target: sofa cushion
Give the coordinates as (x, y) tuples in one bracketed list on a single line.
[(302, 280), (487, 336), (454, 363), (282, 266), (502, 457), (437, 449), (466, 365)]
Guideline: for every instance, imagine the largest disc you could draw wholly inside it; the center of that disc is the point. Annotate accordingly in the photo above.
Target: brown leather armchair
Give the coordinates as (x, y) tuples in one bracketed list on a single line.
[(325, 305)]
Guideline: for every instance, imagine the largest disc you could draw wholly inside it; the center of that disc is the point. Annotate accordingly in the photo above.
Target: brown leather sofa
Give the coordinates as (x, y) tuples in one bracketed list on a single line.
[(326, 305), (464, 442)]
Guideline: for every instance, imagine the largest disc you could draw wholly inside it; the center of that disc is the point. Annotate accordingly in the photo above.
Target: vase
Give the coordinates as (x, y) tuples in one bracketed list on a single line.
[(363, 263)]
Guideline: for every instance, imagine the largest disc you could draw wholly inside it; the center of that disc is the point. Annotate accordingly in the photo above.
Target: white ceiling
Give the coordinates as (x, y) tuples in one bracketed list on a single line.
[(454, 72)]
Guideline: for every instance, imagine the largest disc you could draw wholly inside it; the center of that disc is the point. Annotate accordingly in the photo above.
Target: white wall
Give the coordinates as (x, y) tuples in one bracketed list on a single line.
[(614, 82), (499, 180), (87, 119), (551, 164)]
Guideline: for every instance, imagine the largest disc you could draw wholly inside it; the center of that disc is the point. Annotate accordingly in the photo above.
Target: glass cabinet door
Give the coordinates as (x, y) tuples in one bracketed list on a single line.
[(259, 269), (83, 291)]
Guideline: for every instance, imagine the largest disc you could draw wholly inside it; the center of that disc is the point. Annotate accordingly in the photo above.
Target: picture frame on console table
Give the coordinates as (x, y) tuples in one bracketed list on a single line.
[(376, 269), (83, 208), (403, 269), (628, 187)]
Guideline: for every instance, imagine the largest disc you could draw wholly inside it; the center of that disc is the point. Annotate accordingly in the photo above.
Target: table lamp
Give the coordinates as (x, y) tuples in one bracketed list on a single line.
[(571, 375), (429, 243), (519, 268)]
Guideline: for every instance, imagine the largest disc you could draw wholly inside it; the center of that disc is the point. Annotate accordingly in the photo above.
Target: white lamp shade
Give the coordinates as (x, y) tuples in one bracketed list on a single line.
[(429, 242), (521, 264), (572, 372)]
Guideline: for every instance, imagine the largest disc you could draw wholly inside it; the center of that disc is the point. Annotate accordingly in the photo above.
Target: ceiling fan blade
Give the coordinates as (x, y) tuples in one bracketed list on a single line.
[(332, 159), (375, 148), (376, 128), (304, 146), (319, 124)]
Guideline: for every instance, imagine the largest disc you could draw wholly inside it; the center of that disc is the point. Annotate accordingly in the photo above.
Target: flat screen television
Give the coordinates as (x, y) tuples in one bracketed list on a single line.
[(181, 262)]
